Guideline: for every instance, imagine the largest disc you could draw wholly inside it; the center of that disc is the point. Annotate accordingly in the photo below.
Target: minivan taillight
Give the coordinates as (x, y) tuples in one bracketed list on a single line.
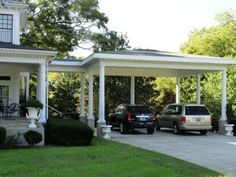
[(129, 116), (183, 119)]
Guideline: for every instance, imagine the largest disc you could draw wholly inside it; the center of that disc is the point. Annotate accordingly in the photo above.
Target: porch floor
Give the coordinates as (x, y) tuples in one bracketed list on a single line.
[(18, 126)]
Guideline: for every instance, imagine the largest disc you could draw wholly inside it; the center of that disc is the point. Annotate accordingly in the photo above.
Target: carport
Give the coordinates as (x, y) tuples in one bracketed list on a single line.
[(146, 63)]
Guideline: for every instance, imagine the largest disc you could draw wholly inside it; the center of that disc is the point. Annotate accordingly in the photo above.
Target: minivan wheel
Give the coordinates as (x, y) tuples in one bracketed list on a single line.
[(150, 130), (176, 129), (203, 132), (123, 128)]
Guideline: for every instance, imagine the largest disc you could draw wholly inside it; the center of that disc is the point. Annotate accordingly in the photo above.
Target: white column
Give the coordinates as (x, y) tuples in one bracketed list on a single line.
[(132, 90), (224, 96), (47, 83), (198, 95), (177, 89), (90, 99), (37, 86), (102, 94), (101, 120), (27, 85), (82, 95), (41, 85)]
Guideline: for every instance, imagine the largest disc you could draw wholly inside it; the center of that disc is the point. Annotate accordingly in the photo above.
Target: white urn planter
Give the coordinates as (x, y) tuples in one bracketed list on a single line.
[(106, 129), (32, 115), (229, 129)]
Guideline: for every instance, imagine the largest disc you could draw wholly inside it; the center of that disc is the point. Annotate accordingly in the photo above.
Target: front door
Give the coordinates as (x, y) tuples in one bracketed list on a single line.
[(4, 95)]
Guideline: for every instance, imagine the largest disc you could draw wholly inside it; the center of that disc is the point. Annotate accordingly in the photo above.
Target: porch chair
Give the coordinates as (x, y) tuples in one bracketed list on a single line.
[(12, 108)]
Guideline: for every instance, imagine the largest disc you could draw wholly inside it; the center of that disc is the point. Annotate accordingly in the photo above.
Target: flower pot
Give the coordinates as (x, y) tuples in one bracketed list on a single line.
[(32, 112), (229, 129), (32, 115), (106, 129)]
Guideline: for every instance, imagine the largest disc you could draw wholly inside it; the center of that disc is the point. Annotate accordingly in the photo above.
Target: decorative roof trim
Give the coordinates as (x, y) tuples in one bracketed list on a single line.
[(14, 4), (25, 52), (137, 58)]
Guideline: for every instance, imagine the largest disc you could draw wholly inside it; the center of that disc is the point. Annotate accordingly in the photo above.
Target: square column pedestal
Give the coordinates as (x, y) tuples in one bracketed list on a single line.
[(100, 134)]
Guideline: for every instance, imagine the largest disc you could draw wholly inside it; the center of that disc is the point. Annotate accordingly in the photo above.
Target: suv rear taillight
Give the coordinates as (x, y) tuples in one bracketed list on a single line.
[(129, 116), (183, 119)]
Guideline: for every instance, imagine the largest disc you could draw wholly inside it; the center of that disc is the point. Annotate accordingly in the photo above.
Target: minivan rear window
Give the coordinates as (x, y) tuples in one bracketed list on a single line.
[(139, 109), (196, 110)]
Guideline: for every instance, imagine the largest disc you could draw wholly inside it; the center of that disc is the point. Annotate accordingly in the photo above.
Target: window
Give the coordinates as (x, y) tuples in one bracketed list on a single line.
[(6, 21), (173, 109), (139, 109), (5, 78), (6, 26), (196, 110)]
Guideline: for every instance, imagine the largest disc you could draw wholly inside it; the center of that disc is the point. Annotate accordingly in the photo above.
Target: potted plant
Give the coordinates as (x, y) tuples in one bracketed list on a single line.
[(33, 107), (230, 116)]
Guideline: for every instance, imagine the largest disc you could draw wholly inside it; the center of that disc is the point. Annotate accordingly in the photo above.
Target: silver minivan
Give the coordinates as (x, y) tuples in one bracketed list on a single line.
[(185, 117)]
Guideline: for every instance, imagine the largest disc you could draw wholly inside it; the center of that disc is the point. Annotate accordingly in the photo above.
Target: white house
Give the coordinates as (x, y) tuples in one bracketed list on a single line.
[(17, 61)]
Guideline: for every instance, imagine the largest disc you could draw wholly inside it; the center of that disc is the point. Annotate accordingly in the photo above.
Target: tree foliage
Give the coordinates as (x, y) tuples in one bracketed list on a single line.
[(63, 25), (219, 41), (165, 92), (64, 92)]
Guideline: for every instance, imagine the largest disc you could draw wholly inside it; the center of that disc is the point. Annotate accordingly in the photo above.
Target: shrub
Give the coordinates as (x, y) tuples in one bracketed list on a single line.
[(11, 142), (68, 132), (32, 103), (33, 137), (2, 135)]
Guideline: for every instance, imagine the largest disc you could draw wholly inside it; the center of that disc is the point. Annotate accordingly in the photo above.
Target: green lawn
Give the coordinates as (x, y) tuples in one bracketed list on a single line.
[(102, 159)]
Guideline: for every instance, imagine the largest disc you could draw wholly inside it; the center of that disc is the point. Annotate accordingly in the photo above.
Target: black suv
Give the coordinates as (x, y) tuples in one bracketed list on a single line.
[(128, 117)]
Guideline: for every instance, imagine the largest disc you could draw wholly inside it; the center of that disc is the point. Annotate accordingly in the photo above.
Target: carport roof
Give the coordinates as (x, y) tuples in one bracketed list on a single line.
[(158, 56), (149, 52), (145, 62)]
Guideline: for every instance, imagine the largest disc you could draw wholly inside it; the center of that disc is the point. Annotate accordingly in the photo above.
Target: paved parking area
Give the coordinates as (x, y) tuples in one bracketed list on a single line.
[(213, 151)]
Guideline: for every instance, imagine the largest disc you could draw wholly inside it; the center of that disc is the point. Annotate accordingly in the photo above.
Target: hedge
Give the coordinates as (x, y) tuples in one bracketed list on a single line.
[(68, 132), (3, 134)]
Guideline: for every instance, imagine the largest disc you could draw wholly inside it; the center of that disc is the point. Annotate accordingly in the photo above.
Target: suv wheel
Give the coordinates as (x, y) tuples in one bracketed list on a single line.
[(150, 130), (176, 129), (203, 132), (123, 128)]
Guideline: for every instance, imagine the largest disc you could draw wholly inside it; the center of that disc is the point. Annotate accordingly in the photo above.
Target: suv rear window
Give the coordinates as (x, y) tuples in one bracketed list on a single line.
[(139, 109), (196, 110)]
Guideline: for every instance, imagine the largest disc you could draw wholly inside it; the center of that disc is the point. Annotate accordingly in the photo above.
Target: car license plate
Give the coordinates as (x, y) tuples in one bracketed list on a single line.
[(142, 119), (198, 119)]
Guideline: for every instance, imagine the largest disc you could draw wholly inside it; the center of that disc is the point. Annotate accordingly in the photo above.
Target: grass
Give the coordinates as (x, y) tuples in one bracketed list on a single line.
[(102, 159)]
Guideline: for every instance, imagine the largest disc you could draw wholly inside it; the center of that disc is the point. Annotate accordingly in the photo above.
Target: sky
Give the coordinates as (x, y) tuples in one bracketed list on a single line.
[(160, 24)]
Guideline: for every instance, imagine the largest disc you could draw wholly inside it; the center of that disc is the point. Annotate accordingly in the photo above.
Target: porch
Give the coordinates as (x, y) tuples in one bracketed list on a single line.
[(17, 126)]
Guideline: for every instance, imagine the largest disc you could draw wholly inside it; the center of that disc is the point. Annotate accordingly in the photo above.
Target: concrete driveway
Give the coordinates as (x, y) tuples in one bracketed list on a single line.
[(213, 151)]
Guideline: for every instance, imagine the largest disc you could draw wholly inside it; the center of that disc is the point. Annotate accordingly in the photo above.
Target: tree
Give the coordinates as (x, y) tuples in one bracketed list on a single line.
[(63, 25), (110, 41), (64, 92), (165, 92), (216, 41)]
